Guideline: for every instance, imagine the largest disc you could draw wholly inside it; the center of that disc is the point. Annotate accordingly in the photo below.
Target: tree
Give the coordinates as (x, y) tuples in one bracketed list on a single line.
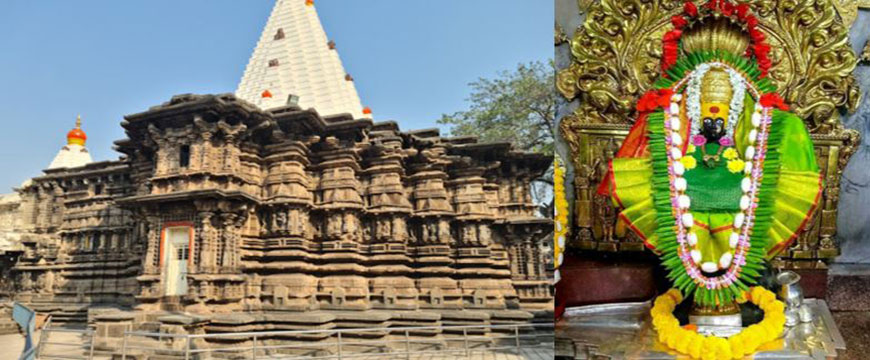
[(517, 106)]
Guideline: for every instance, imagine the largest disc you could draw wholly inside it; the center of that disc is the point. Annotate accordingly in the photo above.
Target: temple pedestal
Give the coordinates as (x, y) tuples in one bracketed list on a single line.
[(722, 322), (718, 325), (624, 331)]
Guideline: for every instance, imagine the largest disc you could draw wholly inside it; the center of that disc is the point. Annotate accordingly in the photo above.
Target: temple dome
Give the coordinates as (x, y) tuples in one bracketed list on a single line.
[(77, 136), (74, 153)]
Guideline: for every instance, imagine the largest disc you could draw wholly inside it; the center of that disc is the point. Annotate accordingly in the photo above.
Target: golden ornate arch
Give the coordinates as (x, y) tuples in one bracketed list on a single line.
[(616, 59)]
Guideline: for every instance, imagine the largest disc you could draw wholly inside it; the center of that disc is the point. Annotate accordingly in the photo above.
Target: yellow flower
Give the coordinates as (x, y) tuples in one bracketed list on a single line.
[(730, 154), (683, 342), (690, 149), (676, 295), (689, 162), (736, 343), (736, 166), (696, 346), (743, 297), (687, 342)]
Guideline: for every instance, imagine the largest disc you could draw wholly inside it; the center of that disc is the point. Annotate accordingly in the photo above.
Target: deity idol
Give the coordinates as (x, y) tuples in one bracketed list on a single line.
[(716, 176)]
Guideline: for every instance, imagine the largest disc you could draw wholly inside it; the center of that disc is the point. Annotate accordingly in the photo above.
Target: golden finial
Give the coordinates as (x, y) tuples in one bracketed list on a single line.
[(78, 122)]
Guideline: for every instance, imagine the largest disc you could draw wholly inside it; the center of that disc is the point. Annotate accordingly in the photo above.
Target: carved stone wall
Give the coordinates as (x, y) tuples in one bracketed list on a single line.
[(79, 246), (290, 211), (614, 58)]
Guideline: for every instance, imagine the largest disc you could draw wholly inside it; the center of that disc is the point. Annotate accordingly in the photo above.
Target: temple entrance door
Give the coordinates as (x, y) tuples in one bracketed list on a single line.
[(176, 254)]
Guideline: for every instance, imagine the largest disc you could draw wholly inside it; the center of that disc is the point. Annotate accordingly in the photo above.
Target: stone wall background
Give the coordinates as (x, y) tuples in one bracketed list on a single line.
[(853, 224), (10, 222), (853, 227)]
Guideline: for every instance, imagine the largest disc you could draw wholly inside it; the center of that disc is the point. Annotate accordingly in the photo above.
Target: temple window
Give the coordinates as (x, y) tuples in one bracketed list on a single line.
[(279, 34), (184, 156), (273, 63)]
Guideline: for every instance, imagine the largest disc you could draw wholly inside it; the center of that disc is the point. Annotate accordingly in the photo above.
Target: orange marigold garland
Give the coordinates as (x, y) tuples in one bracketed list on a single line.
[(690, 342)]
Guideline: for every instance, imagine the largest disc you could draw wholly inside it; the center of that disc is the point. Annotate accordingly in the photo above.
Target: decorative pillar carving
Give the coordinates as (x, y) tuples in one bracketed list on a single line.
[(207, 236)]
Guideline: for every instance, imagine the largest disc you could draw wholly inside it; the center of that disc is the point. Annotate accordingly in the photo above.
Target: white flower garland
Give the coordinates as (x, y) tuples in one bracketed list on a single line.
[(754, 153)]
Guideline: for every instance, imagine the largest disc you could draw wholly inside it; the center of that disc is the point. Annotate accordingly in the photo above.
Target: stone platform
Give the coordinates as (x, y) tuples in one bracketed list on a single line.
[(624, 331)]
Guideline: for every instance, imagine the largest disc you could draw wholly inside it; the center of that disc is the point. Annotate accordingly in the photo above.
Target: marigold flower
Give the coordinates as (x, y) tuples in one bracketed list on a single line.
[(689, 162), (736, 166), (730, 154)]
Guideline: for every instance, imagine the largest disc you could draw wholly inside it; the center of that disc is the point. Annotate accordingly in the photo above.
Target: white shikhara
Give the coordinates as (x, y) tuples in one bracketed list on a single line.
[(299, 62)]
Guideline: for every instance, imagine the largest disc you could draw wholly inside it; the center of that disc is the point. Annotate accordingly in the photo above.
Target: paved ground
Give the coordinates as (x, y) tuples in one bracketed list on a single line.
[(855, 327), (11, 346)]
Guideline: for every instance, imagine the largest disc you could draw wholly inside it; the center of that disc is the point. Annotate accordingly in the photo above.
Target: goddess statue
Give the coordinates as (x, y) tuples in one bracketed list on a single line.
[(716, 176)]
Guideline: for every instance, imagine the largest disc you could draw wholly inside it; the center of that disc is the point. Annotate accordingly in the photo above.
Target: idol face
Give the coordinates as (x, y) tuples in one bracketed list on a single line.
[(713, 121)]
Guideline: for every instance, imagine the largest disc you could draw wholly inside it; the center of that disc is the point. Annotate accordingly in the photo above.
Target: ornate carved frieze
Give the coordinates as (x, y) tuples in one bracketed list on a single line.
[(218, 206)]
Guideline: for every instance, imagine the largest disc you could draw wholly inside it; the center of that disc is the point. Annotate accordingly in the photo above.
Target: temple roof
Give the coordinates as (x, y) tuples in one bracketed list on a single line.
[(294, 57)]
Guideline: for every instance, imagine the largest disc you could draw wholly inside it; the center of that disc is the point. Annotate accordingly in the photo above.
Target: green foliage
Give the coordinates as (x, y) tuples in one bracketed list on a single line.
[(516, 106)]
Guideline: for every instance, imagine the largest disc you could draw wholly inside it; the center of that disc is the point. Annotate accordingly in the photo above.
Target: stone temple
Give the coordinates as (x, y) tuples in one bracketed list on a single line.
[(283, 218)]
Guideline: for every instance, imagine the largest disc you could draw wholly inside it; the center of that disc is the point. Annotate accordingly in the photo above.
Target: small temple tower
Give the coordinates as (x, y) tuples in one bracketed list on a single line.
[(74, 153), (294, 63)]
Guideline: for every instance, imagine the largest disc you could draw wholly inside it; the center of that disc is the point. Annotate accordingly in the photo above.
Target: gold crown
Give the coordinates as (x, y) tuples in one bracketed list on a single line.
[(715, 34), (716, 87)]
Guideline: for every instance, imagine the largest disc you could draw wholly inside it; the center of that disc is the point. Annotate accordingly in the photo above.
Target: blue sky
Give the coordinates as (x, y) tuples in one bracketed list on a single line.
[(411, 60)]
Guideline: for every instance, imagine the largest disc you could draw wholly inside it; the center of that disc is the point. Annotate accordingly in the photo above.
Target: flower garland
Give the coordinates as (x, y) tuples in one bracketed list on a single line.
[(671, 40), (687, 239), (672, 243), (560, 214), (697, 346)]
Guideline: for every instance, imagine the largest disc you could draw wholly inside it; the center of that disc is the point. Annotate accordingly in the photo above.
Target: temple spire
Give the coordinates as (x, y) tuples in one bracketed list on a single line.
[(295, 63)]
